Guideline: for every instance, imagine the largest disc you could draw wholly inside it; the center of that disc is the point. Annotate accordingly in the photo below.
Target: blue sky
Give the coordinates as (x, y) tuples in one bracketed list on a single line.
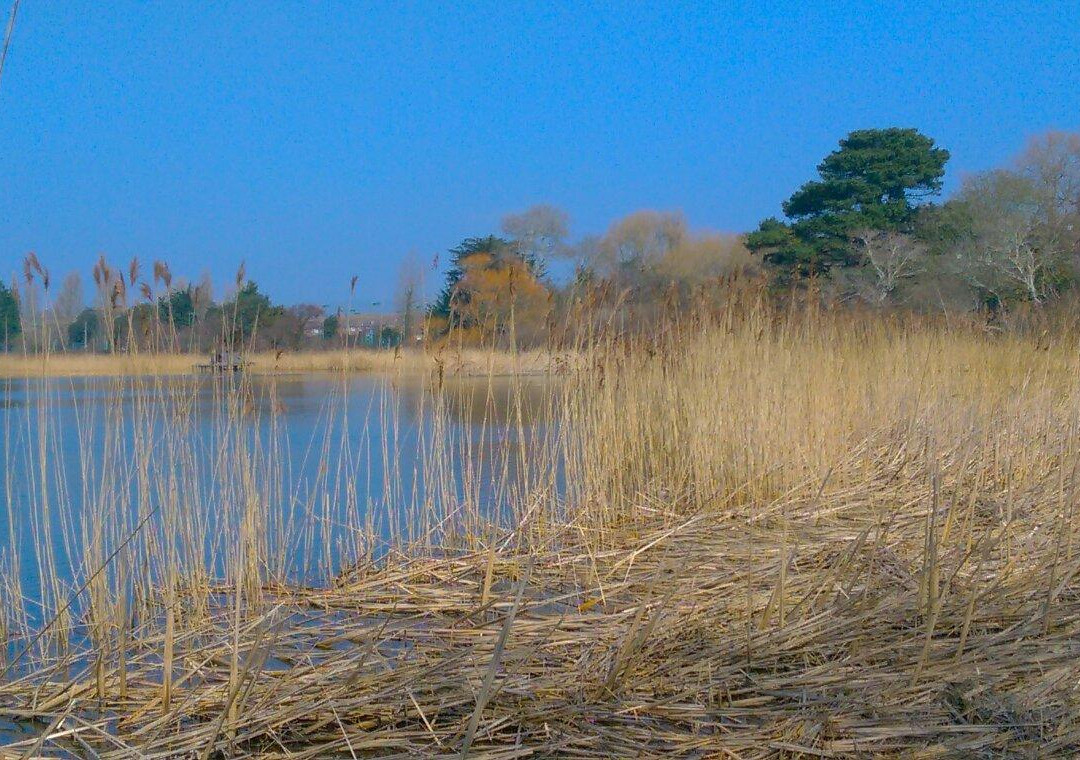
[(321, 140)]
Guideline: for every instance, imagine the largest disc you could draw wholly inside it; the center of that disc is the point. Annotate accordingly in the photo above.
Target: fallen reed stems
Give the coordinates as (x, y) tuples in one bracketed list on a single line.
[(764, 536)]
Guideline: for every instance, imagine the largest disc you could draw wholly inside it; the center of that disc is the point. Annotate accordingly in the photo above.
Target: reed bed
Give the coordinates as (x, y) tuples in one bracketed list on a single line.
[(468, 362), (761, 534)]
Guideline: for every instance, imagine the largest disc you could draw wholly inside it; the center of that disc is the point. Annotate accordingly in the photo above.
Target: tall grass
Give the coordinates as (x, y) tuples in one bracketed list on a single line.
[(753, 532), (453, 360)]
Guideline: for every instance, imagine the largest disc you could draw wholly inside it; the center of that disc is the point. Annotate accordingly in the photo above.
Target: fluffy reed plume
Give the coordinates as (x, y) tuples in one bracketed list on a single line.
[(162, 274), (755, 535), (133, 271), (30, 265)]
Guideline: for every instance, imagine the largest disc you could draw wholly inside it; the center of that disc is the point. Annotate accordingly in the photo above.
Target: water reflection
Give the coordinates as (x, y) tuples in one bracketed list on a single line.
[(330, 459)]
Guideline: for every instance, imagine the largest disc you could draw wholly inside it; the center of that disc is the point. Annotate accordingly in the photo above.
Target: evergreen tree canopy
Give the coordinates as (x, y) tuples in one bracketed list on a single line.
[(9, 315), (178, 309), (876, 180), (249, 311), (85, 330), (330, 326)]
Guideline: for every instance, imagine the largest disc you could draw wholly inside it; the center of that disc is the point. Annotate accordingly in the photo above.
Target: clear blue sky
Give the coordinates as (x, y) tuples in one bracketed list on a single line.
[(321, 140)]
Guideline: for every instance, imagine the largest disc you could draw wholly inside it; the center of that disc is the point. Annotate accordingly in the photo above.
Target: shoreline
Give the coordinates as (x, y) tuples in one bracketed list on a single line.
[(468, 362)]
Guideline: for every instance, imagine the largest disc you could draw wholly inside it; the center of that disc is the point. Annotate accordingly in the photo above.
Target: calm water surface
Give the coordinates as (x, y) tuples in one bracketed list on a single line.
[(327, 458)]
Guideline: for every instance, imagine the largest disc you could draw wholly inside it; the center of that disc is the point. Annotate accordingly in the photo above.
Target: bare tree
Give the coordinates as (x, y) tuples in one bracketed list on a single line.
[(1013, 246), (68, 304), (409, 296), (539, 230), (202, 296), (585, 254), (640, 240), (1052, 162), (289, 328), (892, 258), (705, 256)]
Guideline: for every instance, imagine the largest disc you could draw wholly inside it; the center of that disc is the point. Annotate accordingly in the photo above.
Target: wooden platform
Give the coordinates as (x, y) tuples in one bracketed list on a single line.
[(221, 367)]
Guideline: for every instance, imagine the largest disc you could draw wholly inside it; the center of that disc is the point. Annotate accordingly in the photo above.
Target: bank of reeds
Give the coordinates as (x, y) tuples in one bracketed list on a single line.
[(755, 534), (472, 362)]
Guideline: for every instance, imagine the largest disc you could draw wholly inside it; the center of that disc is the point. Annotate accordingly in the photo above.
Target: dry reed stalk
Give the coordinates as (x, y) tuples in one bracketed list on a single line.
[(884, 507), (464, 362)]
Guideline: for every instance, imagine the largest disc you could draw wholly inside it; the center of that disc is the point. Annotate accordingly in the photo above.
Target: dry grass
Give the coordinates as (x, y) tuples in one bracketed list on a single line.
[(470, 362), (801, 536)]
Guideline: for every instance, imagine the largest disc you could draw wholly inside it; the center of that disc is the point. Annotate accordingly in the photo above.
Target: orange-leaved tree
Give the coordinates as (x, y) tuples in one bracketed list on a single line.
[(493, 287)]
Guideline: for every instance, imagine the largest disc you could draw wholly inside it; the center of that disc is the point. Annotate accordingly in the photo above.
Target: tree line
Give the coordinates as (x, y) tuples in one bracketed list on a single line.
[(871, 228), (131, 310)]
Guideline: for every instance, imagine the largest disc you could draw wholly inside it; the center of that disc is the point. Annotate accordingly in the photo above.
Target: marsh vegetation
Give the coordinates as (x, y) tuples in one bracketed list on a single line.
[(767, 530), (805, 492)]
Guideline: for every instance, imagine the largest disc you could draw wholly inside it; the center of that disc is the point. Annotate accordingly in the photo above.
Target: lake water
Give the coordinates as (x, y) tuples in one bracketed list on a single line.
[(319, 471)]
